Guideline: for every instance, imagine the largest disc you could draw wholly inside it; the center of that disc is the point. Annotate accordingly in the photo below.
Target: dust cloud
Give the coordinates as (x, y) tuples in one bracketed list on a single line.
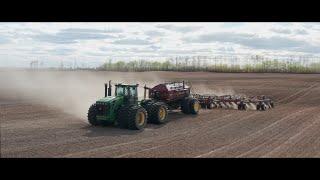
[(70, 91), (211, 89)]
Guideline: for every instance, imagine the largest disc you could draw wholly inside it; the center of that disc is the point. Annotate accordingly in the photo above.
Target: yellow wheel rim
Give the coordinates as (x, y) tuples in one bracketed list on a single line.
[(140, 118), (162, 113), (196, 106)]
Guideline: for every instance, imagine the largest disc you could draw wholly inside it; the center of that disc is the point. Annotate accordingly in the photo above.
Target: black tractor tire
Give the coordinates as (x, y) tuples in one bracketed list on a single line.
[(92, 115), (210, 106), (263, 107), (157, 112), (105, 123), (132, 117), (185, 105), (194, 106)]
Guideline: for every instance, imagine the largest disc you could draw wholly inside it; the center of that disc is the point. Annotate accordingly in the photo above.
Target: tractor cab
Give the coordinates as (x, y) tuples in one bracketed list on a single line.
[(128, 92)]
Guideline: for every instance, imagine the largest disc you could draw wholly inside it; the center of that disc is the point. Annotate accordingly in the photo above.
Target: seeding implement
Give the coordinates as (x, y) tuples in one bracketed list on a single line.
[(261, 103)]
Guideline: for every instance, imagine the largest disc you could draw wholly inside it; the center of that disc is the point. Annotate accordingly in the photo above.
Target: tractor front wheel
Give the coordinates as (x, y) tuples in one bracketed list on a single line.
[(92, 115)]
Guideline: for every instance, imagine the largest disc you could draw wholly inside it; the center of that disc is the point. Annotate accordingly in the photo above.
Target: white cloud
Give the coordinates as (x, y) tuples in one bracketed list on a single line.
[(281, 31), (96, 42), (154, 33), (72, 35), (131, 41), (182, 29), (301, 31)]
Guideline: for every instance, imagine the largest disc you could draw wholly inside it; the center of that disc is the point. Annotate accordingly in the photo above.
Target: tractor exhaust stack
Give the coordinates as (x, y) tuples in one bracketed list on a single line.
[(105, 89), (109, 89)]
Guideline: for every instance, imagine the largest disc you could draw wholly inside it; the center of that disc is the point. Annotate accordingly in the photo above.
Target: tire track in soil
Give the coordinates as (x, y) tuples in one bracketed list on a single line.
[(195, 137), (234, 120), (174, 141), (167, 138), (281, 135), (307, 138), (150, 140), (224, 149), (75, 141), (294, 96)]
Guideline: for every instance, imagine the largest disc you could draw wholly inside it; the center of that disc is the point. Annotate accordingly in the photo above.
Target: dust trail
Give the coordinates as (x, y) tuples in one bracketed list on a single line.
[(216, 91), (71, 91), (208, 89)]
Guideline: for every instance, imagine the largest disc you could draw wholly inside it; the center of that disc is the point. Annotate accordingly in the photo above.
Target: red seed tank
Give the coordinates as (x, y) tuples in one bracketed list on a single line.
[(170, 92)]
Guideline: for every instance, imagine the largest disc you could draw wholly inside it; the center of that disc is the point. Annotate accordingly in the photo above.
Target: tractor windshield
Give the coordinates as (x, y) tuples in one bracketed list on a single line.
[(133, 91), (120, 91), (126, 91)]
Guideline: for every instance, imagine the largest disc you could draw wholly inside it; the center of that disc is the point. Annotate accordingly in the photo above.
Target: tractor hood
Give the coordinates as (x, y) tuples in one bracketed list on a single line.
[(108, 100)]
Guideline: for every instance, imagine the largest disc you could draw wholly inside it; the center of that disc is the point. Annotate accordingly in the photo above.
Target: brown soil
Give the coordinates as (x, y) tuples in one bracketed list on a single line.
[(43, 114)]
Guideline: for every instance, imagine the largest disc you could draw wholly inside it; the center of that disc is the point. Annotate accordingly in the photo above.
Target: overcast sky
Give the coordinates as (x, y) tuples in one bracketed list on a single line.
[(94, 43)]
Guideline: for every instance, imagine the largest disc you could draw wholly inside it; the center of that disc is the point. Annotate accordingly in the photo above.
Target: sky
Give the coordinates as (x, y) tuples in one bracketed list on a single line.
[(91, 44)]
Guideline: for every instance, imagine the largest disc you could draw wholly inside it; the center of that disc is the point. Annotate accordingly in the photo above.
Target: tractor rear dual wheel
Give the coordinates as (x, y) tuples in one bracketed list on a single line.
[(132, 117)]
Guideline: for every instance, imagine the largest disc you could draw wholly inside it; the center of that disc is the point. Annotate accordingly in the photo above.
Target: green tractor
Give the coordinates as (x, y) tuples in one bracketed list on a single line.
[(123, 109)]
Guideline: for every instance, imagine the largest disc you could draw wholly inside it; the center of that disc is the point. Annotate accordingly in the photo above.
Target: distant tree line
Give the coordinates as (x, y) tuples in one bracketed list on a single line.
[(235, 64)]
